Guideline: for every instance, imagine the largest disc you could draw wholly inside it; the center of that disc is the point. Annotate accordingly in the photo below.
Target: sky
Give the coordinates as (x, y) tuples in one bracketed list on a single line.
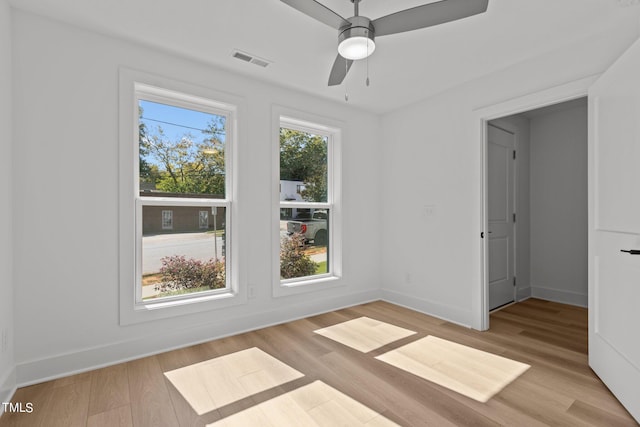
[(175, 121)]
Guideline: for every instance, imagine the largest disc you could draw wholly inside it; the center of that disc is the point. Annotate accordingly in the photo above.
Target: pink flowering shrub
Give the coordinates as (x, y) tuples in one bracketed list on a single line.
[(180, 273), (293, 261)]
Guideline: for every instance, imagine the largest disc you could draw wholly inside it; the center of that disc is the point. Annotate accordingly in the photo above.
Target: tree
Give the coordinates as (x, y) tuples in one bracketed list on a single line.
[(303, 157), (315, 187), (187, 165), (145, 167)]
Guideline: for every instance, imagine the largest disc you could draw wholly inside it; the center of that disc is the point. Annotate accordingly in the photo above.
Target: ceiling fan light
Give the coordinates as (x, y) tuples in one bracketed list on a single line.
[(356, 47)]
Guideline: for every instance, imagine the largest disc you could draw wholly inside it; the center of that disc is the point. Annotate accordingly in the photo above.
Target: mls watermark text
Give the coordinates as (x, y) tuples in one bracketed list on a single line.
[(17, 407)]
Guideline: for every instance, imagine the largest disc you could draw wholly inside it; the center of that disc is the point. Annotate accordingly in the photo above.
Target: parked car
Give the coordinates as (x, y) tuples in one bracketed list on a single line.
[(313, 228)]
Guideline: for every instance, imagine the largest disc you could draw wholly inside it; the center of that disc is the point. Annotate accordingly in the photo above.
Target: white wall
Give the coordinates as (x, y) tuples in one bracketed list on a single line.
[(433, 263), (7, 372), (66, 200), (559, 205), (289, 190), (519, 126)]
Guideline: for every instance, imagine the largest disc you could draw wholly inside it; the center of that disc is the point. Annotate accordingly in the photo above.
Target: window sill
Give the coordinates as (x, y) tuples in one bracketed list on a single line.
[(166, 303), (149, 311), (311, 284)]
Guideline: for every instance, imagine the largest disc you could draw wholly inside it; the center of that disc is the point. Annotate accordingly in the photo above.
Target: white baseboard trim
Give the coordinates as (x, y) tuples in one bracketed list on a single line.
[(523, 294), (431, 308), (564, 297), (37, 371), (7, 387)]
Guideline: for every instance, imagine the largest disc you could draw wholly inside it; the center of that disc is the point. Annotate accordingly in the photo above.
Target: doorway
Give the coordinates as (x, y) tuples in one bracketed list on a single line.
[(536, 205)]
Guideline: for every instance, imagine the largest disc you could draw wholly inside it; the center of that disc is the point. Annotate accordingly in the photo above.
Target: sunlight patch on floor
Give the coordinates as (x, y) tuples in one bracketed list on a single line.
[(316, 404), (468, 371), (364, 334), (226, 379)]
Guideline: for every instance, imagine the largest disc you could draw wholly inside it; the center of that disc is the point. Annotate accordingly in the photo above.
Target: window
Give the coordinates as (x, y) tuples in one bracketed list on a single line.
[(203, 219), (309, 225), (182, 167), (167, 220), (177, 223)]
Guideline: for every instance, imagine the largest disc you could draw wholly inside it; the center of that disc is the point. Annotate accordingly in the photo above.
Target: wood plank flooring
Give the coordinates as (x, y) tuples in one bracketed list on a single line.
[(558, 390)]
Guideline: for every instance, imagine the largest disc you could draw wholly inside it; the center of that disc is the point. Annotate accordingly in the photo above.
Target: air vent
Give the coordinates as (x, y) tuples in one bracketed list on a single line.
[(242, 56), (247, 57)]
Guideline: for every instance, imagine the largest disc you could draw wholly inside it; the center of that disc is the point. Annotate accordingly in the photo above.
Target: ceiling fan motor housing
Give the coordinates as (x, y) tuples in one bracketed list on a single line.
[(361, 28)]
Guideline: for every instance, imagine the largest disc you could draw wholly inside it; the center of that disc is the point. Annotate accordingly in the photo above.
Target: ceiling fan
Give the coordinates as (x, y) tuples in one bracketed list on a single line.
[(356, 37)]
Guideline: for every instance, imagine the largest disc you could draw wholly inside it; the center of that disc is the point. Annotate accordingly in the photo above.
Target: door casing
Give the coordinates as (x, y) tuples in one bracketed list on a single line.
[(481, 116)]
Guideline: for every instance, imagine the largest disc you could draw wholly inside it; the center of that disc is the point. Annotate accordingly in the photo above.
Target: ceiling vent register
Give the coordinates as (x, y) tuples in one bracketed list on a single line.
[(247, 57)]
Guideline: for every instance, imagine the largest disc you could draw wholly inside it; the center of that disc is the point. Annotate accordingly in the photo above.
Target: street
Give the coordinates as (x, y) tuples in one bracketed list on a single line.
[(192, 245)]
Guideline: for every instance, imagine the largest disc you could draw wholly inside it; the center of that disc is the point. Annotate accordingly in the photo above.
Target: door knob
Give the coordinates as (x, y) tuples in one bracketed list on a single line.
[(631, 251)]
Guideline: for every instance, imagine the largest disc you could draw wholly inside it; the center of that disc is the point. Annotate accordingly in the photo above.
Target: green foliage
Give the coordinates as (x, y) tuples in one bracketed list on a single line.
[(145, 167), (187, 165), (315, 187), (303, 157), (293, 261), (322, 267), (179, 273)]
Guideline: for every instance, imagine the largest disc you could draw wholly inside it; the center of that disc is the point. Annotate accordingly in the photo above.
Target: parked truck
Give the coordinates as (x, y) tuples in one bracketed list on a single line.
[(313, 228)]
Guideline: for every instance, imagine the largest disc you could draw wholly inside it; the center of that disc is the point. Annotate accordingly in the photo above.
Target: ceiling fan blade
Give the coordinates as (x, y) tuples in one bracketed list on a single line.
[(318, 11), (339, 70), (428, 15)]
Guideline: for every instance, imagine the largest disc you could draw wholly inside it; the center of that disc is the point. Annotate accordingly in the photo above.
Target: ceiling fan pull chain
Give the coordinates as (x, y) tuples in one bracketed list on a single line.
[(346, 91), (367, 81)]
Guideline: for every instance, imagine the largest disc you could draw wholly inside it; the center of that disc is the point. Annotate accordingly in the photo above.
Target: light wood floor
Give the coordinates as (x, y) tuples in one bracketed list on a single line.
[(559, 389)]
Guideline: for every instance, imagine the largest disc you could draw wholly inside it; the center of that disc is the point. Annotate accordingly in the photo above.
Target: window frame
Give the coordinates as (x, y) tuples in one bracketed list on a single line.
[(136, 85), (333, 130)]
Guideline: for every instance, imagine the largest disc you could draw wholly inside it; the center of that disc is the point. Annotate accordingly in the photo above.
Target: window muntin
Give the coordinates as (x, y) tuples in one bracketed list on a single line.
[(182, 170), (305, 220)]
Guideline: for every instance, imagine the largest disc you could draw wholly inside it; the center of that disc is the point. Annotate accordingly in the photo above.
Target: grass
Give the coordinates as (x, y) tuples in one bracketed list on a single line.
[(321, 268)]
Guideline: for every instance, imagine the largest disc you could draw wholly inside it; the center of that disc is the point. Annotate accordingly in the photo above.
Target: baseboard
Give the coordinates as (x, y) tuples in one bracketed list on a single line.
[(564, 297), (431, 308), (36, 371), (523, 294), (7, 387)]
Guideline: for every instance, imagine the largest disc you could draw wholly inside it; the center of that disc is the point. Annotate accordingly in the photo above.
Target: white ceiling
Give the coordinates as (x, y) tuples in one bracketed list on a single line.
[(404, 69)]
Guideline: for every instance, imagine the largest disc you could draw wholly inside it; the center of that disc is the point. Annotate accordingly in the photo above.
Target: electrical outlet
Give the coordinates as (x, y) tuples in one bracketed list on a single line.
[(407, 278), (251, 292)]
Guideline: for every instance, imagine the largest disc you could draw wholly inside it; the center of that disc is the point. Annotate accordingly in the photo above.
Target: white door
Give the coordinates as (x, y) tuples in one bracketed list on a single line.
[(614, 225), (500, 209)]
